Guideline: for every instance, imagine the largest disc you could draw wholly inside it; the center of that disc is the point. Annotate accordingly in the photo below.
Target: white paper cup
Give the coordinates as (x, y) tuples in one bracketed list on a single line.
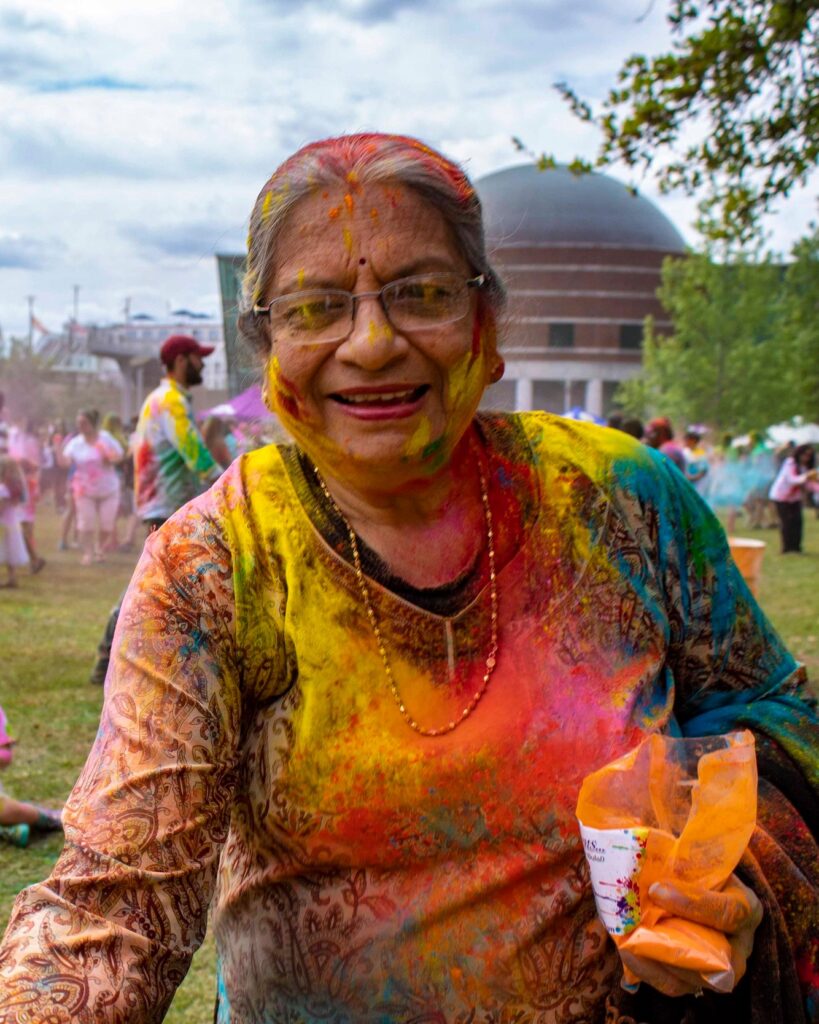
[(615, 857)]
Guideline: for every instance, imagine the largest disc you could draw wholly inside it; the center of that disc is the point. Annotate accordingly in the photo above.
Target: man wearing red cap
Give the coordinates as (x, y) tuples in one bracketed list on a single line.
[(171, 461)]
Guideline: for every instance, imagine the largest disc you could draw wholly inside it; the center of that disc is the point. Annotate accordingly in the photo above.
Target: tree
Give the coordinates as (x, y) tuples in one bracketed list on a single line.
[(800, 325), (727, 362), (731, 114)]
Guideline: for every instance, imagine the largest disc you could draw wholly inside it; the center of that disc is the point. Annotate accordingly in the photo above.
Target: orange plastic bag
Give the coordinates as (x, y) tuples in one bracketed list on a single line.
[(671, 810)]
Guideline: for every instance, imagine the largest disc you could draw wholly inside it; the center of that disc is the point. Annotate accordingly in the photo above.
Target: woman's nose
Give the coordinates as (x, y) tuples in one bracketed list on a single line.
[(373, 342)]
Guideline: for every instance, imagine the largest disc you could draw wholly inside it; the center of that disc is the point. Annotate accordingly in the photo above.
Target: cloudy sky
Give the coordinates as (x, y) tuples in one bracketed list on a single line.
[(134, 136)]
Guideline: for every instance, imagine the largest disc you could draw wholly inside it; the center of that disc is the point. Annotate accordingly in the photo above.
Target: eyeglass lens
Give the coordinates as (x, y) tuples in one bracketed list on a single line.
[(411, 304)]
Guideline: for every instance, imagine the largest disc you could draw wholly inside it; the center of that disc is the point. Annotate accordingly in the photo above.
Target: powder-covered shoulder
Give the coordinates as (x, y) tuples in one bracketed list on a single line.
[(601, 453)]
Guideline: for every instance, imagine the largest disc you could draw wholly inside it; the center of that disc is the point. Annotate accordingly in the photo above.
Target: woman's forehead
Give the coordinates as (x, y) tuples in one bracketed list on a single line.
[(386, 224)]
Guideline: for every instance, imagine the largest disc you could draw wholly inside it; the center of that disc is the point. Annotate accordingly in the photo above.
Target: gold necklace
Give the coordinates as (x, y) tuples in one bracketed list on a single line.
[(492, 656)]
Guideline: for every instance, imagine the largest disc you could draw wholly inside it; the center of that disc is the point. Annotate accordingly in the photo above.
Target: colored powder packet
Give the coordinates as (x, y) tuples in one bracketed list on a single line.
[(671, 810)]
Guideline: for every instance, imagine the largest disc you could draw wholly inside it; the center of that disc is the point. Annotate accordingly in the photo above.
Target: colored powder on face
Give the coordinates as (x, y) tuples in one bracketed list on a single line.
[(384, 331), (420, 438), (374, 214), (333, 213), (348, 202), (352, 178), (348, 240), (300, 277)]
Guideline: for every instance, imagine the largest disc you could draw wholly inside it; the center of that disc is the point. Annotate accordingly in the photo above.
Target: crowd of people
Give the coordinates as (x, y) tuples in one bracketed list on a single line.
[(747, 477), (85, 469), (358, 679)]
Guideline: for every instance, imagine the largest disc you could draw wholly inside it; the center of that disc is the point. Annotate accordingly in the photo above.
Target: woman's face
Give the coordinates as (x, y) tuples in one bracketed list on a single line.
[(84, 424), (380, 403)]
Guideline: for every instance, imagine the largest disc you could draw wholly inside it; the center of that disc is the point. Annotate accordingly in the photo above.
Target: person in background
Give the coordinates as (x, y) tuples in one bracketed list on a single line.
[(112, 423), (213, 433), (24, 446), (660, 435), (172, 463), (19, 819), (59, 435), (4, 427), (13, 552), (788, 490), (696, 458), (94, 454)]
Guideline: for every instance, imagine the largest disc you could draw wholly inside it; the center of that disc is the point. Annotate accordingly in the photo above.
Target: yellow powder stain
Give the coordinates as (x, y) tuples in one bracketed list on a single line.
[(348, 240), (463, 378), (352, 177), (300, 277), (420, 439), (348, 202), (267, 205), (375, 332)]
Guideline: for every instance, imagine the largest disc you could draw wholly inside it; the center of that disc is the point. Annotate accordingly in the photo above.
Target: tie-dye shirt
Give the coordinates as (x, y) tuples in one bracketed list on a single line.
[(251, 756), (172, 463)]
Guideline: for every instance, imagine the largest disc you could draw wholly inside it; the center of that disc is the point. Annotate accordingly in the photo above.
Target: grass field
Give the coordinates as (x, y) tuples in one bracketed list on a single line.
[(48, 634)]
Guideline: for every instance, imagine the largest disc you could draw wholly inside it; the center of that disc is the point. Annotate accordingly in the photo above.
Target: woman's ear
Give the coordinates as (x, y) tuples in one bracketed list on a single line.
[(497, 371)]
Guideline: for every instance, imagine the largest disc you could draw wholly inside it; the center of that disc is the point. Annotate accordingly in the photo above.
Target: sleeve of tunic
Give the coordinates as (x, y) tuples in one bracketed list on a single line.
[(730, 670), (109, 936)]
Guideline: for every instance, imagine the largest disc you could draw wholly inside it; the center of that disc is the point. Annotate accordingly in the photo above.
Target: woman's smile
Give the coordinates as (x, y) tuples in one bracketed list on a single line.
[(384, 402)]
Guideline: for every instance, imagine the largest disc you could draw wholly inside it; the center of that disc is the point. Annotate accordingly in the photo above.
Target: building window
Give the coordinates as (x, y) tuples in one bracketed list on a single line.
[(561, 335), (631, 336)]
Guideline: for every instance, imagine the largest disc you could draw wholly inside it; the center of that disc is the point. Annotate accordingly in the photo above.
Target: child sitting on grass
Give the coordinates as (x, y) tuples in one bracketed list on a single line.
[(18, 819)]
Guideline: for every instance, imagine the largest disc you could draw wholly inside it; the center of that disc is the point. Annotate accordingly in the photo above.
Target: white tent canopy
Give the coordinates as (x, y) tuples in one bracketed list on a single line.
[(794, 430)]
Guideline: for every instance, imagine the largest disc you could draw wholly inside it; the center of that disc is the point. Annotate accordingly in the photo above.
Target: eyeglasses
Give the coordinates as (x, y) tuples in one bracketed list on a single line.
[(325, 315)]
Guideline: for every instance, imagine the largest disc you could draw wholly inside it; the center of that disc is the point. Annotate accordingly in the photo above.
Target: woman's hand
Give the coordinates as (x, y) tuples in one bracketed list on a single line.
[(735, 910)]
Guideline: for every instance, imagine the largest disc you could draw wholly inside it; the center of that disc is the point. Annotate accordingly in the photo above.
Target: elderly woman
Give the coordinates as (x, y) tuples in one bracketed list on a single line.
[(358, 683)]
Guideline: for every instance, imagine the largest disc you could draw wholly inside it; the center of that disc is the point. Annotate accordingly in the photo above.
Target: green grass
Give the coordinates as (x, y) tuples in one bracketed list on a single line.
[(49, 629)]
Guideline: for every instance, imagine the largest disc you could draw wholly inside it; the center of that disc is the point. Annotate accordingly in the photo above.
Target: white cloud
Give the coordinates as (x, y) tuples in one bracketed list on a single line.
[(134, 136)]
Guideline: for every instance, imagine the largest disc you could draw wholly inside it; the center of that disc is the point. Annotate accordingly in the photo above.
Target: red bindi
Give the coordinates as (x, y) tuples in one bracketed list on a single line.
[(362, 261)]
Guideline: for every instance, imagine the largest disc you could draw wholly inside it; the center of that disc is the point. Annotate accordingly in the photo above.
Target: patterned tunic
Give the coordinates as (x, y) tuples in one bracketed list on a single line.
[(251, 754), (171, 461)]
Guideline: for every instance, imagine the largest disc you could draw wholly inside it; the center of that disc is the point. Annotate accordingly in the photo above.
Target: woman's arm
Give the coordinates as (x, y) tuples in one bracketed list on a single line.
[(109, 936), (731, 670)]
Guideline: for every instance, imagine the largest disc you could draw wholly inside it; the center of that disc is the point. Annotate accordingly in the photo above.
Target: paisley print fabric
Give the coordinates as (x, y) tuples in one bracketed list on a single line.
[(251, 758)]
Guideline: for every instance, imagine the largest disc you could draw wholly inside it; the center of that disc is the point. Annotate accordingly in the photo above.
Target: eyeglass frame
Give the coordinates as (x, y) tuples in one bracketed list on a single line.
[(471, 282)]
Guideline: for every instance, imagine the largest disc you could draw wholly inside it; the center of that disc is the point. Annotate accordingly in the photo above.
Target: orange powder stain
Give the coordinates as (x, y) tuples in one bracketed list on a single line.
[(348, 202), (333, 213), (374, 213)]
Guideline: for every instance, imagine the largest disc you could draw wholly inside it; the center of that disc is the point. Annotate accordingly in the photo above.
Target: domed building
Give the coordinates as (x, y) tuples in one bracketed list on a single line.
[(581, 258)]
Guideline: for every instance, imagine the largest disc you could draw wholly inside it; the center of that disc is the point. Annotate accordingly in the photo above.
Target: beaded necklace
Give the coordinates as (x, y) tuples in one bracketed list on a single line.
[(492, 656)]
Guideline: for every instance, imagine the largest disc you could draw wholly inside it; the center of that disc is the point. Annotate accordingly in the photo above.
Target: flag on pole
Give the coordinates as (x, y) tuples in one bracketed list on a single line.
[(39, 325)]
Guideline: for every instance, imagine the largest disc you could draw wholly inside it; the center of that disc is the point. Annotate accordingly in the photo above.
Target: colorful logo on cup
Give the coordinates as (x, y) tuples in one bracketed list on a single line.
[(615, 857)]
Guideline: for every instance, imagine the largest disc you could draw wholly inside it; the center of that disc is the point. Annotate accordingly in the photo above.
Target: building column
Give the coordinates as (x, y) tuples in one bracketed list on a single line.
[(524, 394), (594, 397), (567, 395)]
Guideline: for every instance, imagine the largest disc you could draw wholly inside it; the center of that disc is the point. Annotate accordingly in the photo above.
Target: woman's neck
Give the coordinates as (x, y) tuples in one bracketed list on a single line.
[(428, 533)]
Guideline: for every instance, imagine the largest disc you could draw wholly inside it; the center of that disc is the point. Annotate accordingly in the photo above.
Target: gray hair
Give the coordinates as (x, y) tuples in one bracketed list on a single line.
[(350, 161)]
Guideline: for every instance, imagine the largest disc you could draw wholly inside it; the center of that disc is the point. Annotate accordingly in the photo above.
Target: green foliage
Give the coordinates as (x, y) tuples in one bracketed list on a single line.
[(731, 114), (744, 350)]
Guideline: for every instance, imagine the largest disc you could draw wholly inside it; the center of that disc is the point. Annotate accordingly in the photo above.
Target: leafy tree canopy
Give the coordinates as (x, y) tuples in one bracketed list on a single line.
[(744, 350), (731, 114)]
